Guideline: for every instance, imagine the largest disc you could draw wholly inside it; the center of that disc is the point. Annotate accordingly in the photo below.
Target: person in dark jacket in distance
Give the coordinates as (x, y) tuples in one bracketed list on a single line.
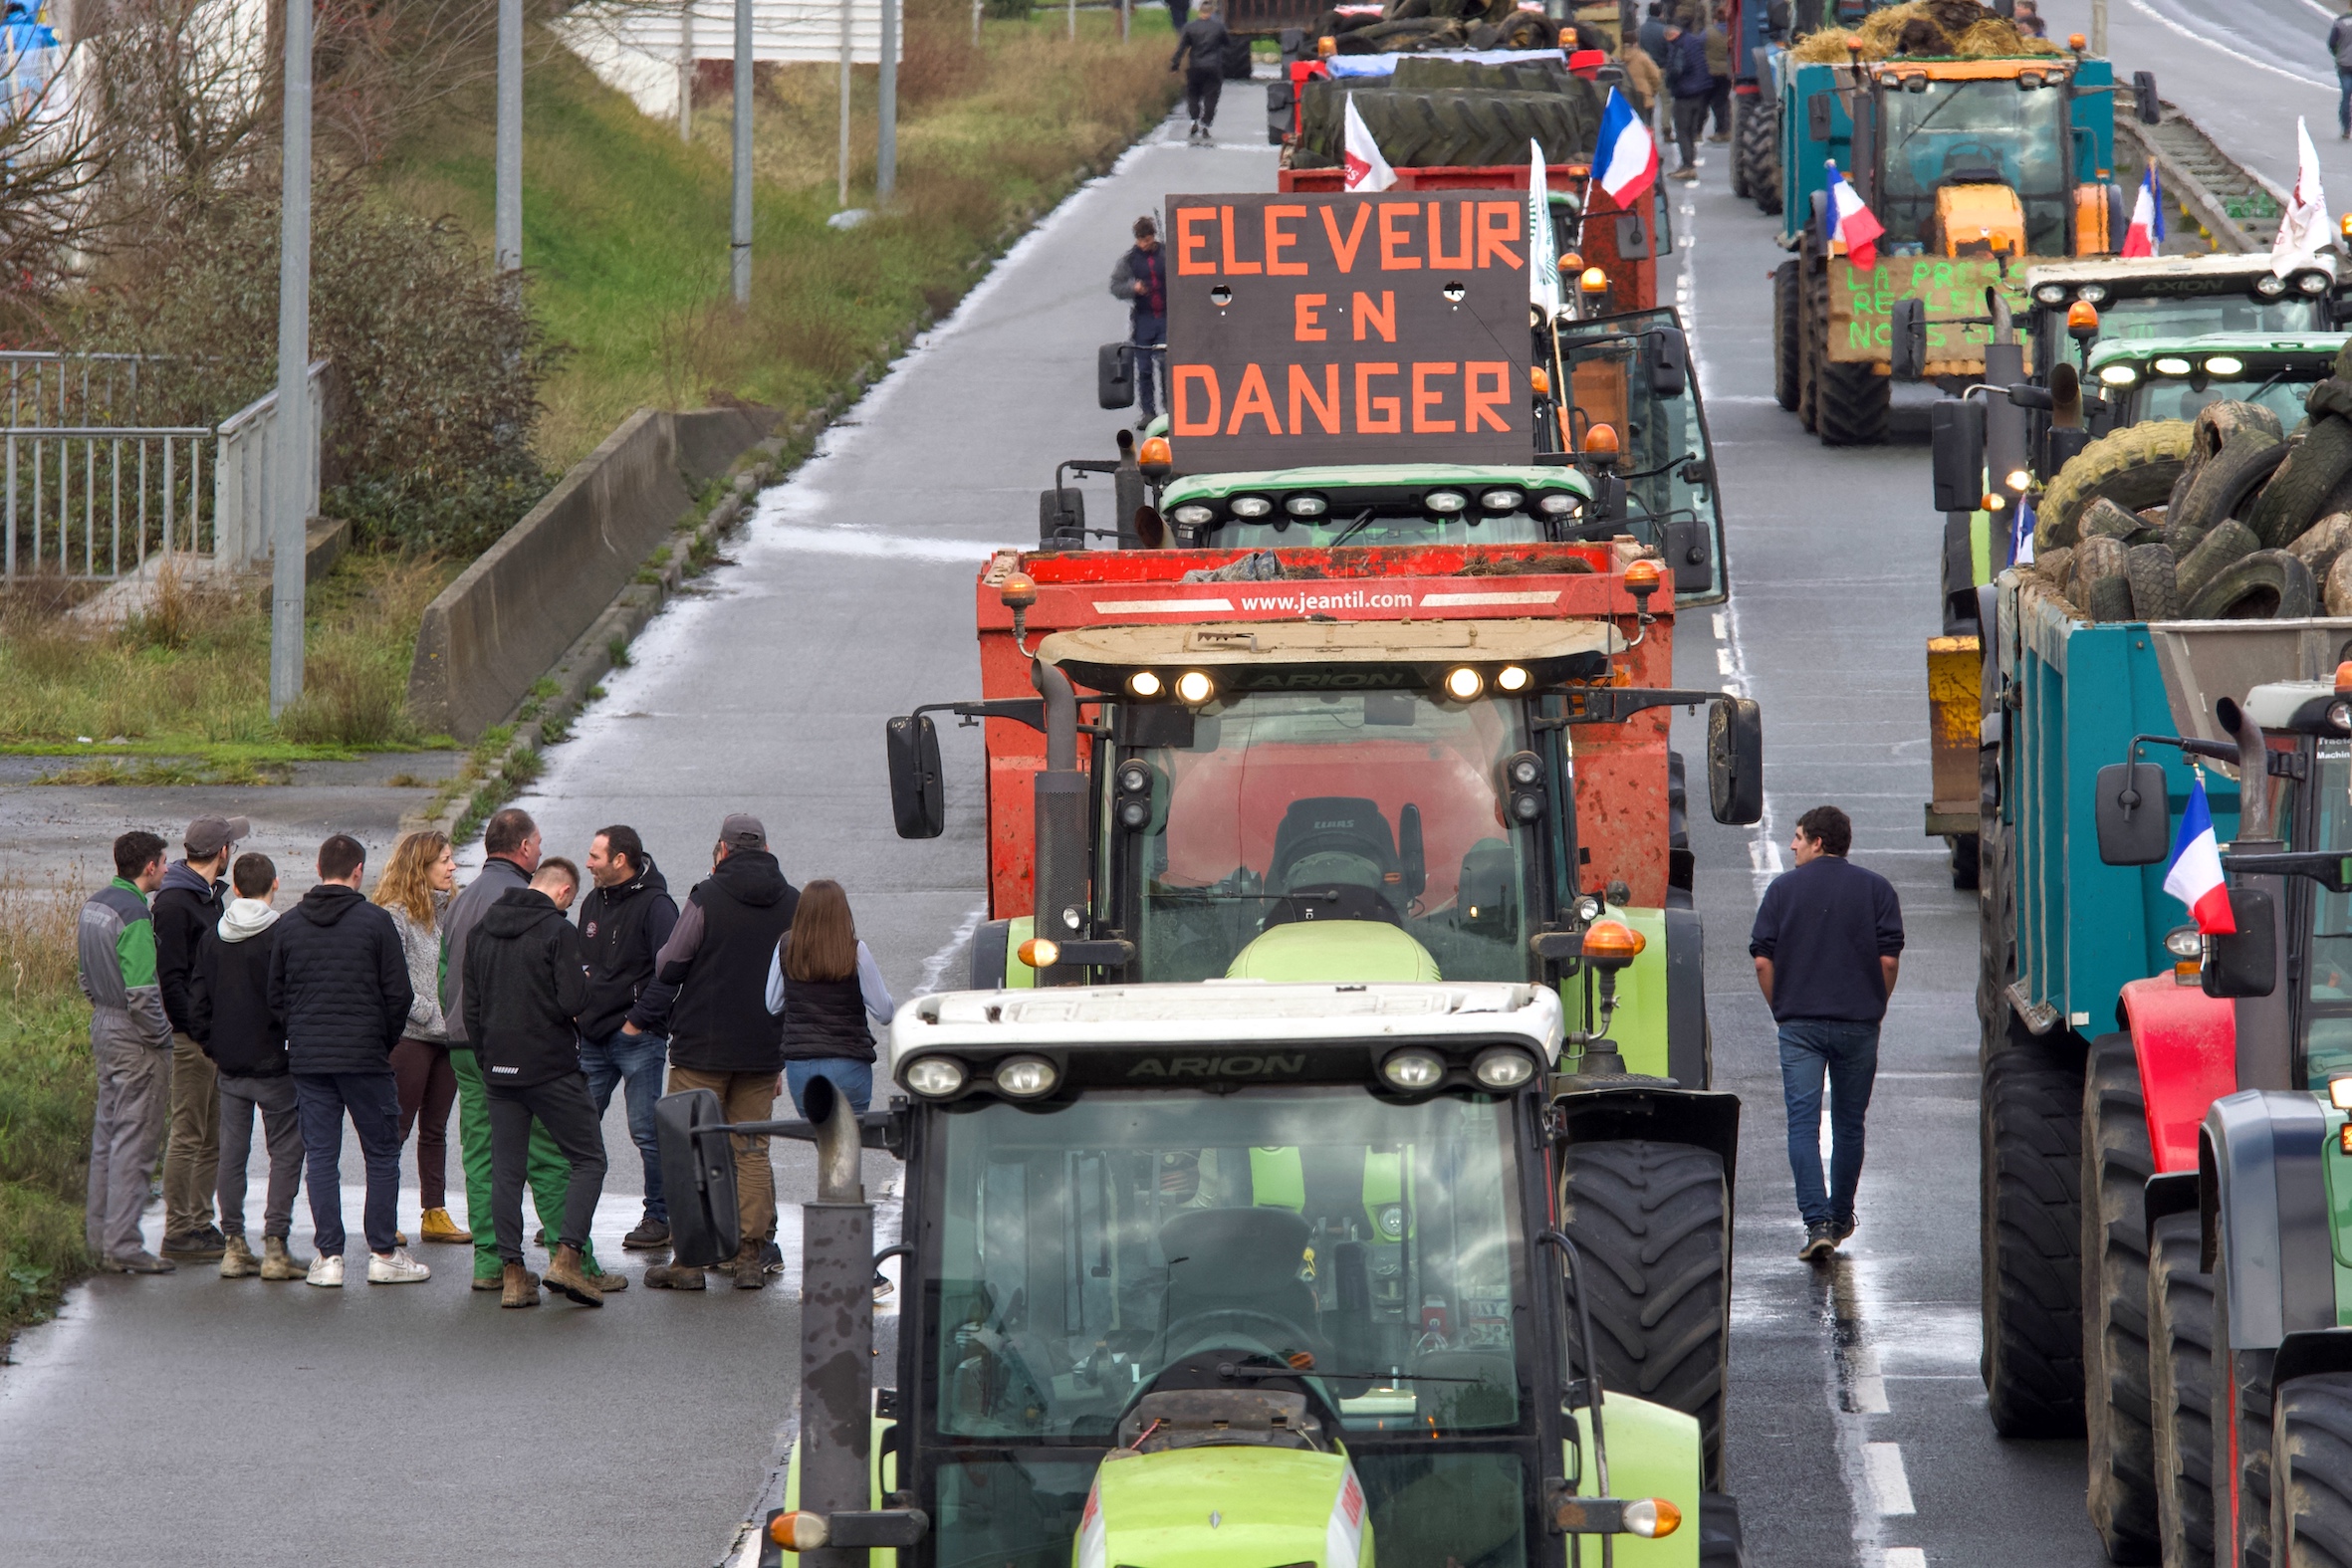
[(624, 1025), (1205, 38), (194, 892), (1692, 84), (511, 843), (1828, 947), (722, 1036), (822, 981), (1140, 282), (527, 979), (338, 984), (247, 1047), (1651, 36)]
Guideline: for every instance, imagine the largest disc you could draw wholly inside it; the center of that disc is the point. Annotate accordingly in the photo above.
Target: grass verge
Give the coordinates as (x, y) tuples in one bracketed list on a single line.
[(47, 1093)]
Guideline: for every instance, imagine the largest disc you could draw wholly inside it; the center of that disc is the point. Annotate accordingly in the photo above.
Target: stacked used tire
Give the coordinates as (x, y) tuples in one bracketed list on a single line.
[(2229, 517), (1450, 113)]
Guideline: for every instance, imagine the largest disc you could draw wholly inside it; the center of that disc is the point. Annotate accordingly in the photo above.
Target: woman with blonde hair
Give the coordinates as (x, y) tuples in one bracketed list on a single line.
[(825, 983), (414, 890)]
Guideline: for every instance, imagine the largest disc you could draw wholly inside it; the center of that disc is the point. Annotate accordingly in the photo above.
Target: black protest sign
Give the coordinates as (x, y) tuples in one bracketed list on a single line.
[(1348, 328)]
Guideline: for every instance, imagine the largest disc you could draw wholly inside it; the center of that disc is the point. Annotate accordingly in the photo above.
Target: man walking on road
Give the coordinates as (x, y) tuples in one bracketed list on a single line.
[(511, 841), (338, 981), (1827, 945), (131, 1042), (722, 1036), (247, 1048), (526, 979), (1206, 39), (189, 903), (1141, 280), (624, 1025), (1693, 86), (2339, 48)]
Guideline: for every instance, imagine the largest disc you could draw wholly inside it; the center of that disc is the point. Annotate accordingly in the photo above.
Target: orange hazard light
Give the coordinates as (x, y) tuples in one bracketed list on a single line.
[(1020, 590), (1612, 941), (1601, 441), (2082, 316), (1641, 578), (2344, 676)]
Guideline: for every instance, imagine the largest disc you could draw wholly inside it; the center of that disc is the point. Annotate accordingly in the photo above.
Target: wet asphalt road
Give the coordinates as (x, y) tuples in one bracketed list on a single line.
[(277, 1425)]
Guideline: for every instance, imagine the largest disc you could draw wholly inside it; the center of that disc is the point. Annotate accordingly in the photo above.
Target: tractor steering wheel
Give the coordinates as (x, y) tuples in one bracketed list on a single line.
[(1289, 1330)]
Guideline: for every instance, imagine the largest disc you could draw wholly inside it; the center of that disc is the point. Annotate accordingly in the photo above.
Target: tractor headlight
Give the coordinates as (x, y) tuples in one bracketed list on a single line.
[(2171, 364), (2182, 942), (1557, 504), (935, 1077), (1026, 1077), (1652, 1517), (2118, 376), (2270, 287), (1445, 503), (1307, 506), (1501, 499), (2225, 364), (1195, 687), (2052, 293), (1250, 506), (2314, 282), (1464, 682), (1502, 1068), (1193, 514), (1510, 678), (1145, 683), (1413, 1069), (2092, 293), (2339, 714)]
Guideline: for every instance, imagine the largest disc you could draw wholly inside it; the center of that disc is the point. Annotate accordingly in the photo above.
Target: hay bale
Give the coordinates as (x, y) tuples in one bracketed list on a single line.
[(1968, 31)]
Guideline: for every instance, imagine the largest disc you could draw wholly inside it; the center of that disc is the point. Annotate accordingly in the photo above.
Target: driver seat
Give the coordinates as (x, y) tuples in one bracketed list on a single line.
[(1326, 830), (1238, 1259)]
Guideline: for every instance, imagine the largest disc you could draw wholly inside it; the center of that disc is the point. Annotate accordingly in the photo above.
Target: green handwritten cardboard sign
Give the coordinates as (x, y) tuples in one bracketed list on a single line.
[(1861, 304)]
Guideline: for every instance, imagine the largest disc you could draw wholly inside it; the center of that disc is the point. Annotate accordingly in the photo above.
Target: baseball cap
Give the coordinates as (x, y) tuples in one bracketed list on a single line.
[(209, 835), (742, 831)]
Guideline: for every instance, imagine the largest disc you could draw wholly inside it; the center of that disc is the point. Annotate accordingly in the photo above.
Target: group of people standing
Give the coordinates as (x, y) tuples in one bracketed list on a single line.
[(1690, 44), (388, 1009)]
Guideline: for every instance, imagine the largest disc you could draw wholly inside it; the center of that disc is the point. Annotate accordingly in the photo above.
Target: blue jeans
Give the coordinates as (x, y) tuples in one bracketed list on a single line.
[(637, 1061), (372, 1101), (855, 1079), (1847, 1053), (1143, 330)]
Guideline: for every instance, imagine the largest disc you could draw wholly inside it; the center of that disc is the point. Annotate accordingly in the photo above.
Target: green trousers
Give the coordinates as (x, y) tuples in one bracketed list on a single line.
[(549, 1172)]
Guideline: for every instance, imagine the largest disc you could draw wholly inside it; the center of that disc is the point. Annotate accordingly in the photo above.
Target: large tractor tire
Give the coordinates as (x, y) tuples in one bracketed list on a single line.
[(2134, 467), (2116, 1165), (1813, 310), (1843, 404), (1720, 1545), (2241, 1434), (1756, 155), (1652, 1221), (2290, 502), (2180, 1391), (1787, 344), (2031, 1231), (2227, 481), (1997, 924), (2311, 1473), (1743, 111)]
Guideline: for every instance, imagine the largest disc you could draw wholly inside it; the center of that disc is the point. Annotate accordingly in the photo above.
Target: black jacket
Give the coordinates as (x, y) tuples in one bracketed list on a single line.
[(526, 979), (718, 959), (1207, 39), (186, 906), (230, 1005), (825, 1021), (499, 877), (338, 983), (623, 928)]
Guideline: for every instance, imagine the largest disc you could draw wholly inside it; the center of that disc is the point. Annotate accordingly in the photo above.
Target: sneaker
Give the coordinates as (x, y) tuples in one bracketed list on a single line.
[(675, 1276), (1841, 1228), (882, 1288), (395, 1267), (197, 1246), (439, 1229), (142, 1261), (237, 1260), (326, 1274), (1685, 175), (650, 1234), (565, 1277), (771, 1258), (1820, 1242), (279, 1263), (519, 1285)]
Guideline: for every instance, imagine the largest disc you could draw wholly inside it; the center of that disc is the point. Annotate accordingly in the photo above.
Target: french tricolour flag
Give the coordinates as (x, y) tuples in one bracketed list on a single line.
[(2195, 876), (1625, 160), (2147, 229), (1851, 221)]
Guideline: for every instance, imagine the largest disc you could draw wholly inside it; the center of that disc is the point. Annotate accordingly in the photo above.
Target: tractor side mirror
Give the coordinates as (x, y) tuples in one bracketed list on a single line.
[(1956, 433), (1910, 340), (2133, 818), (1409, 851), (1061, 517), (1670, 363), (697, 1177), (1734, 761), (918, 797), (1115, 375), (2246, 962)]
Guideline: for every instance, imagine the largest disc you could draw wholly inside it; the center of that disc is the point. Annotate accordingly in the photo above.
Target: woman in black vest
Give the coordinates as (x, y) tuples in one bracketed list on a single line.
[(824, 982)]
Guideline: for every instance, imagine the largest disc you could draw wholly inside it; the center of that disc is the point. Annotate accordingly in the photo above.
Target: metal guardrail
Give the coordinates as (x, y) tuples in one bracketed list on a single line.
[(2236, 207), (92, 492)]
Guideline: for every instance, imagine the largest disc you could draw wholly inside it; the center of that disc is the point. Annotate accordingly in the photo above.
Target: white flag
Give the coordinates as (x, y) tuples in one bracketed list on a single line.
[(1543, 248), (2303, 227), (1367, 169)]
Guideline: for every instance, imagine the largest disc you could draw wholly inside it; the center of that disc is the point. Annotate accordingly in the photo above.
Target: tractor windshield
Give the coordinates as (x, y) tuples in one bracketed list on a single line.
[(2279, 389), (1975, 133), (1381, 809), (2195, 315), (1085, 1247), (2327, 1009)]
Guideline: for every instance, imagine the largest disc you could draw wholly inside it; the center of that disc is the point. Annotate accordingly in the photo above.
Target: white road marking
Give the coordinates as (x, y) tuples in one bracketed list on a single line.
[(2205, 41), (1906, 1557), (1883, 1461), (1723, 661)]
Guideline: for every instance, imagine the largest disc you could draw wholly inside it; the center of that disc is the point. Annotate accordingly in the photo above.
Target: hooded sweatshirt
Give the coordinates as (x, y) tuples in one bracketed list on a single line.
[(623, 928), (338, 983), (230, 995), (186, 906), (526, 980), (718, 959)]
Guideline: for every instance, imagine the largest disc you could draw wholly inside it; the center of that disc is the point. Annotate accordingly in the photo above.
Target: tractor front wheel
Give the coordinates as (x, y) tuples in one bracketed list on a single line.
[(2242, 1458), (1720, 1545), (1652, 1222), (2180, 1389), (2311, 1473), (2032, 1228), (2116, 1165)]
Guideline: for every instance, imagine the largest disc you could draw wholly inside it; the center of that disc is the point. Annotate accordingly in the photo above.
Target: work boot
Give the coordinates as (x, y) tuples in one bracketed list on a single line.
[(196, 1246), (142, 1261), (1820, 1242), (650, 1234), (749, 1272), (497, 1281), (277, 1264), (675, 1276), (520, 1290), (609, 1284), (237, 1260), (565, 1277), (438, 1227)]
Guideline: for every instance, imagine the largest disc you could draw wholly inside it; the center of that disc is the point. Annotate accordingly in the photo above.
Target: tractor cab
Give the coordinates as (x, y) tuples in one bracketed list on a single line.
[(2161, 377), (2144, 298)]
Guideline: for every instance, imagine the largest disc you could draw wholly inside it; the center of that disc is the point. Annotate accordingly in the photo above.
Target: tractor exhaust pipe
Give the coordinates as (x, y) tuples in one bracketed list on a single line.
[(1060, 914), (837, 1326)]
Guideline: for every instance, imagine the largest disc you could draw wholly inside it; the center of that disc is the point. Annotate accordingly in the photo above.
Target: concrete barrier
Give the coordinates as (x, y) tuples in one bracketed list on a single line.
[(512, 614)]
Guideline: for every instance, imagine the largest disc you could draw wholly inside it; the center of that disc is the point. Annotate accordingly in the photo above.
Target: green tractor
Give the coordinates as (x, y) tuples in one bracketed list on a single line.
[(1199, 1274)]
